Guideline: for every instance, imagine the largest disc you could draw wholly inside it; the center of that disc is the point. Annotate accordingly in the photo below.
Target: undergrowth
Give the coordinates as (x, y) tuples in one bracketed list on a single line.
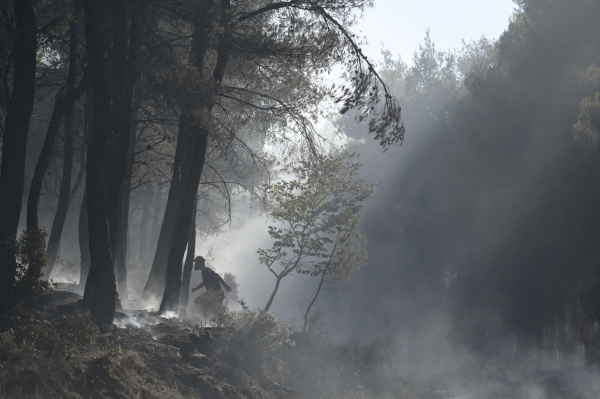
[(63, 336), (254, 327), (31, 257)]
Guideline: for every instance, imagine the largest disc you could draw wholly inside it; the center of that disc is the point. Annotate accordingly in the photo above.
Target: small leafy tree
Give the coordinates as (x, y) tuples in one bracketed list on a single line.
[(31, 256), (317, 215), (346, 255)]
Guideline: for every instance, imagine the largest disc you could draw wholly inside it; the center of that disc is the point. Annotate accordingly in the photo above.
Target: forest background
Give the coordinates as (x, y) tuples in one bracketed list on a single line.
[(479, 236)]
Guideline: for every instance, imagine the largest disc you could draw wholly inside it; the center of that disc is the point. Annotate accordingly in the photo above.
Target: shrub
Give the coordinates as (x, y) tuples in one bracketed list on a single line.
[(9, 352), (254, 327), (207, 304), (30, 252), (64, 336)]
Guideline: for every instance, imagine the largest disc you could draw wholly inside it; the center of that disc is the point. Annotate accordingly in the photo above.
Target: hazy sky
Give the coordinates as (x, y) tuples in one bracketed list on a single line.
[(401, 24)]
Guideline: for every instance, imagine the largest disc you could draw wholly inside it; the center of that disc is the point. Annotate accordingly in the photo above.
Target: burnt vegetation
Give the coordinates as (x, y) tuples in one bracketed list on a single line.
[(134, 130)]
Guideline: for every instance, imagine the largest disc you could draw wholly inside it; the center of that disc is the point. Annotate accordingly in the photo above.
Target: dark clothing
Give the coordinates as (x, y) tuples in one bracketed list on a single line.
[(211, 280)]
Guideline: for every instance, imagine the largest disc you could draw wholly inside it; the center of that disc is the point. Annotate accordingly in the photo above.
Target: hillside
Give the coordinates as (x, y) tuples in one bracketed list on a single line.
[(148, 356), (54, 351)]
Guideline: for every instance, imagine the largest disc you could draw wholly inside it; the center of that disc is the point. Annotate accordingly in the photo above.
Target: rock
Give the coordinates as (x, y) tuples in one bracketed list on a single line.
[(198, 360)]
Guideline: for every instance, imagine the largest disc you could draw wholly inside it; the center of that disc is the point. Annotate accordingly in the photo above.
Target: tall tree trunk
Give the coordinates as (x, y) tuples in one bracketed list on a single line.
[(188, 266), (170, 301), (121, 256), (63, 196), (84, 233), (109, 145), (156, 219), (64, 103), (101, 277), (144, 230), (84, 240), (14, 144), (170, 228), (198, 128), (121, 251), (155, 283)]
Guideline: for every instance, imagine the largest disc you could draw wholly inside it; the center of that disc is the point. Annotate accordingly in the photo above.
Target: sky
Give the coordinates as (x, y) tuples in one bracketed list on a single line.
[(401, 25)]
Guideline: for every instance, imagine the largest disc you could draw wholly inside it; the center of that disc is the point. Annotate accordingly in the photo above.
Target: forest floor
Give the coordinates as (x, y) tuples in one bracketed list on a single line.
[(148, 356)]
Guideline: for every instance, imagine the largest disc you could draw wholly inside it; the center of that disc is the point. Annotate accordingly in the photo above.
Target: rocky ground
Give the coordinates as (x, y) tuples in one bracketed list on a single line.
[(148, 356)]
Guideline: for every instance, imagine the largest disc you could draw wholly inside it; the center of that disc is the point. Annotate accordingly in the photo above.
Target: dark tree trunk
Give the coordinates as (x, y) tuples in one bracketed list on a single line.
[(156, 220), (170, 301), (188, 266), (84, 233), (101, 279), (144, 230), (109, 144), (120, 123), (63, 104), (84, 240), (14, 144), (176, 198), (65, 189), (155, 283), (121, 256), (123, 220)]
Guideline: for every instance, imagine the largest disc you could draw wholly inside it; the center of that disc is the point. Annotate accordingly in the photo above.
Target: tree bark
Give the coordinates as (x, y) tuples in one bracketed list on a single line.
[(109, 145), (144, 230), (63, 196), (101, 279), (155, 282), (121, 256), (123, 220), (170, 301), (84, 234), (84, 240), (156, 221), (65, 183), (202, 31), (64, 103), (14, 144), (188, 266)]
